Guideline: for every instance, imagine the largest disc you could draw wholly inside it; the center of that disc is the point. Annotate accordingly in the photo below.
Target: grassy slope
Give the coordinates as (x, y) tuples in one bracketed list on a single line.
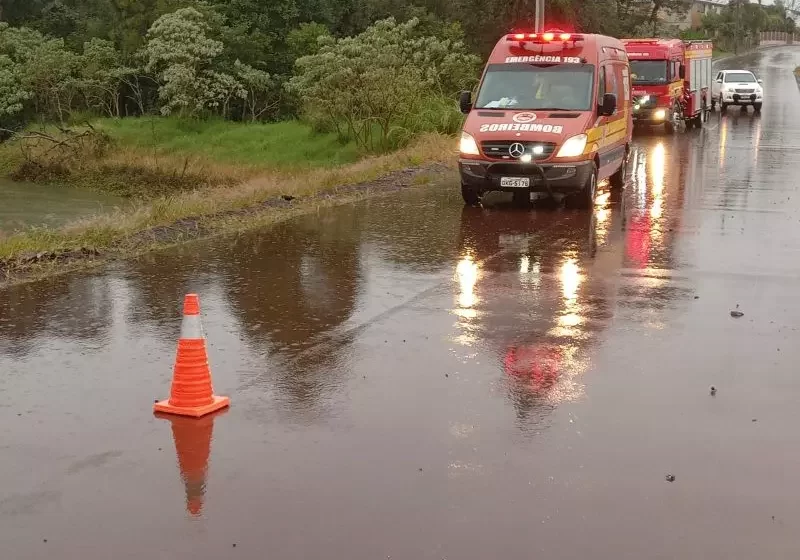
[(289, 145)]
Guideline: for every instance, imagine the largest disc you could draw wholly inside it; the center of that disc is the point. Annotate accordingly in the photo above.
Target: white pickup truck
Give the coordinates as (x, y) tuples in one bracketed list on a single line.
[(737, 87)]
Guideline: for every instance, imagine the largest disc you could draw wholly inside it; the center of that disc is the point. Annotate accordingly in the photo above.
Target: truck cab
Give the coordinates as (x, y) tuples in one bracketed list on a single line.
[(552, 114)]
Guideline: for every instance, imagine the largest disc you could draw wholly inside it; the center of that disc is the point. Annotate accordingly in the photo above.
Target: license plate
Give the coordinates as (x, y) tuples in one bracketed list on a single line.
[(515, 182)]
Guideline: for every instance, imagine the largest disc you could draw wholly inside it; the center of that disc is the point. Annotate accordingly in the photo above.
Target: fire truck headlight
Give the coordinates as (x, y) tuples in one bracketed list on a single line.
[(660, 115), (574, 146), (468, 146)]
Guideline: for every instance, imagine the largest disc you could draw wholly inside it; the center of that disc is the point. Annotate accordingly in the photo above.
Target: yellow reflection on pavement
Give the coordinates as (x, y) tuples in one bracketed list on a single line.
[(570, 278), (467, 275)]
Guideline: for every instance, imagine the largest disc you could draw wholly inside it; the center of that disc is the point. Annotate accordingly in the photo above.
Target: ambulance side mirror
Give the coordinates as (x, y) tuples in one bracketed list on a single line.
[(719, 81), (682, 72), (465, 102), (760, 81), (609, 105)]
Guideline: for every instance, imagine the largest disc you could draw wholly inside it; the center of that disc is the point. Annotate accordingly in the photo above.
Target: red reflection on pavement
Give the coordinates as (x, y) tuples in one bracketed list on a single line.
[(537, 366), (637, 244)]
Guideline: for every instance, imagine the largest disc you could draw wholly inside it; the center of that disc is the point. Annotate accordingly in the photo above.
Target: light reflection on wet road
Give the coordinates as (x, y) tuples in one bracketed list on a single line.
[(412, 379)]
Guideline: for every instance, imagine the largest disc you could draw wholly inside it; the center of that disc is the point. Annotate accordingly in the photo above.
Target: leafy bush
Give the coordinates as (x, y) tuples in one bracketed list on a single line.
[(373, 88)]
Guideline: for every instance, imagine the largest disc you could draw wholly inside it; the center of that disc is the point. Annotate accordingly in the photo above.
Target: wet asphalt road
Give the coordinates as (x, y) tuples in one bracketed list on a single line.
[(415, 380)]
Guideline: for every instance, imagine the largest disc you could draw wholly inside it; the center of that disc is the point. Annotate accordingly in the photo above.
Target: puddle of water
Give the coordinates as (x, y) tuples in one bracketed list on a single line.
[(30, 205)]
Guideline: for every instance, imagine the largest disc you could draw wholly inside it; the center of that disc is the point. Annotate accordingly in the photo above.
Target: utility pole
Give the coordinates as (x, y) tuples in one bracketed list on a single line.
[(539, 21), (737, 26)]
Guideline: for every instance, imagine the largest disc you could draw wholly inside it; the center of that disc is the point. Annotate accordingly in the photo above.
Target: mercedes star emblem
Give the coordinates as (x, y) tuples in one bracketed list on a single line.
[(516, 149)]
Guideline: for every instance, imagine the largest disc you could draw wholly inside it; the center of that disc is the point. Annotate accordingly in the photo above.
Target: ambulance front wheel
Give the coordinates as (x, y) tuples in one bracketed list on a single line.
[(617, 180), (472, 197), (757, 107), (585, 198)]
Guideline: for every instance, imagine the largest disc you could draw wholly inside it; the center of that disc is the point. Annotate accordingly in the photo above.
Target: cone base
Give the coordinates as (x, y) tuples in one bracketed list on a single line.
[(194, 411)]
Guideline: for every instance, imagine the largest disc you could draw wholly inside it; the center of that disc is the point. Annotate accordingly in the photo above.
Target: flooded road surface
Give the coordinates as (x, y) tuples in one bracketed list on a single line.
[(414, 380), (30, 205)]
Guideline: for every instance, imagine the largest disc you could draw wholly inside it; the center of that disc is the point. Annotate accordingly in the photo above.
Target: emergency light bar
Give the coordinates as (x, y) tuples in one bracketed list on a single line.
[(546, 37)]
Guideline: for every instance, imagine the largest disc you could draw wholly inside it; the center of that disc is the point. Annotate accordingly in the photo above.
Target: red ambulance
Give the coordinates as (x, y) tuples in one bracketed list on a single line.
[(552, 114)]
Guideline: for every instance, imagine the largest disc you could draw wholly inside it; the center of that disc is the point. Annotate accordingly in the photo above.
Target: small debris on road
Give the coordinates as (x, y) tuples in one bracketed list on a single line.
[(696, 297), (670, 478), (755, 420), (737, 314), (713, 391)]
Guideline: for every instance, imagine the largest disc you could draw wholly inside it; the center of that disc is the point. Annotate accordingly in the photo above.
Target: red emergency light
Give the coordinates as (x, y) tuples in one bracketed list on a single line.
[(546, 37)]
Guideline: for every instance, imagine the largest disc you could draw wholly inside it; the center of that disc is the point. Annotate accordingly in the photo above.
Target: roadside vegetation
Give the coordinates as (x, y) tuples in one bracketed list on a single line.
[(197, 109), (738, 25)]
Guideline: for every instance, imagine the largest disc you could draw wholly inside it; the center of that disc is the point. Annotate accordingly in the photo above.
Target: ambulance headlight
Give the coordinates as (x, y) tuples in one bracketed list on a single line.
[(574, 146), (660, 115), (468, 146)]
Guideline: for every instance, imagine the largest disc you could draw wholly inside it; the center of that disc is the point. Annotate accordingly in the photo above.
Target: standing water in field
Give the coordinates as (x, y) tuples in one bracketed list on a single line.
[(24, 205)]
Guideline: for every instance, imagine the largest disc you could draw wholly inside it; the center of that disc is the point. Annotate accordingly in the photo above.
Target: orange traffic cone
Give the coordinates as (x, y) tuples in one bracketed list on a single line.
[(193, 446), (192, 393)]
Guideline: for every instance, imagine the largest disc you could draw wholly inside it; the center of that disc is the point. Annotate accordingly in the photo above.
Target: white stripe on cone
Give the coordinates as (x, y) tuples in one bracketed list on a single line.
[(191, 327)]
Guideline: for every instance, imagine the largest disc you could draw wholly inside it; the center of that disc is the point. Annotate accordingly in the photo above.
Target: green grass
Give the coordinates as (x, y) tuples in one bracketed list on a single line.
[(289, 145)]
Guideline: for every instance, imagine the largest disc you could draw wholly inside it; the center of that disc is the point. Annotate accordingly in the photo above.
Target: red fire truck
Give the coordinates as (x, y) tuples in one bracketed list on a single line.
[(671, 81)]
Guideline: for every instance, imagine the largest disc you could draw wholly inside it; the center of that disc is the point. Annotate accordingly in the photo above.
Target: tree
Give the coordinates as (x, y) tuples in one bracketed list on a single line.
[(180, 52), (99, 76), (12, 94), (259, 86), (44, 68), (369, 87), (304, 40)]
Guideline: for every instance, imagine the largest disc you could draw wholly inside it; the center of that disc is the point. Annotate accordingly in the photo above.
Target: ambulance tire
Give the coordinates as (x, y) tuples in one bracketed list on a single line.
[(713, 104), (722, 107), (617, 180), (585, 198), (471, 196), (757, 107)]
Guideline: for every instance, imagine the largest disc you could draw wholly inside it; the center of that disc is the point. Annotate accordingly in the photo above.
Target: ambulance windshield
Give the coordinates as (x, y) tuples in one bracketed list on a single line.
[(649, 71), (565, 87)]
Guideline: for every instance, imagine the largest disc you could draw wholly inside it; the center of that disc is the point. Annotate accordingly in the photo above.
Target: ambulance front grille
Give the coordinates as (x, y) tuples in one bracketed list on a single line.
[(500, 149)]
